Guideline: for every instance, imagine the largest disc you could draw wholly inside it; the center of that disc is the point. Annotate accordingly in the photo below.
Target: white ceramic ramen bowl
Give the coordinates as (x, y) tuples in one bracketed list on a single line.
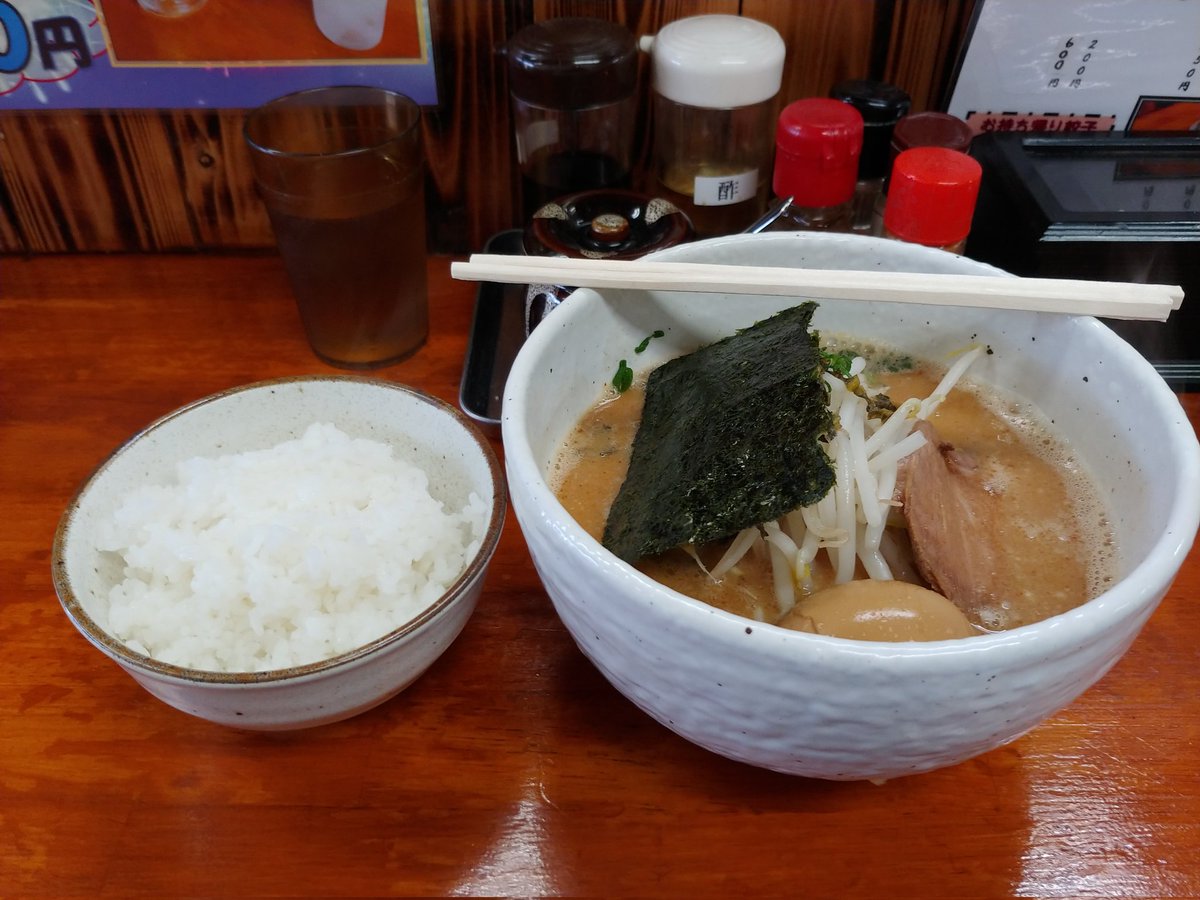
[(829, 707), (421, 428)]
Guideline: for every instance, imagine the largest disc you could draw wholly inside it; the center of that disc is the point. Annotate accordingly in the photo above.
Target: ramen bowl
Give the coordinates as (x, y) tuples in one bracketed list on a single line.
[(828, 707), (404, 626)]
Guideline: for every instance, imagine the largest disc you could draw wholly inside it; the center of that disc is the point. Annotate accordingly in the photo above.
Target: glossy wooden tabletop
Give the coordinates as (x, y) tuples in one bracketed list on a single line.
[(511, 767)]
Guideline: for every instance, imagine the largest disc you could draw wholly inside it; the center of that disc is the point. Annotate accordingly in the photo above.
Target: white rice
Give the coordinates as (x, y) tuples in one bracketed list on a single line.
[(275, 558)]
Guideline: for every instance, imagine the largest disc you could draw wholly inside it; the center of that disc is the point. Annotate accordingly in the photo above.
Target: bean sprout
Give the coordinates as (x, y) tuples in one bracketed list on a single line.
[(737, 549), (850, 522)]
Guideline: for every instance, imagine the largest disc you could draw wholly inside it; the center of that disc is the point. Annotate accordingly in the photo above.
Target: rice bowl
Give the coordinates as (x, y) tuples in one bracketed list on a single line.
[(377, 653)]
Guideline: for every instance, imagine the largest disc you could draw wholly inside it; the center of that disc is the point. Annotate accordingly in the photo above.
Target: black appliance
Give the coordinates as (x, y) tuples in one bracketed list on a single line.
[(1112, 207)]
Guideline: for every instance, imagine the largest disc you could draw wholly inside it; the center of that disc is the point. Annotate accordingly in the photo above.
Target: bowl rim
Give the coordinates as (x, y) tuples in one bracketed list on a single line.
[(1148, 578), (144, 664)]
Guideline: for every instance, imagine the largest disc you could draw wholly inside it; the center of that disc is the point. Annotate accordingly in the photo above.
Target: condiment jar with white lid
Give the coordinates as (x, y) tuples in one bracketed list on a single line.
[(716, 78)]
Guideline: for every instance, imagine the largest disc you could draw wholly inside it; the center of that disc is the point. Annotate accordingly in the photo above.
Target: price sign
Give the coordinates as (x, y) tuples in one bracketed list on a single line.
[(1088, 65)]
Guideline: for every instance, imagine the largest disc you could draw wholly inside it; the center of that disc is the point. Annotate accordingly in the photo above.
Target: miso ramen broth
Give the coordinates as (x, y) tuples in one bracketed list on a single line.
[(1054, 545)]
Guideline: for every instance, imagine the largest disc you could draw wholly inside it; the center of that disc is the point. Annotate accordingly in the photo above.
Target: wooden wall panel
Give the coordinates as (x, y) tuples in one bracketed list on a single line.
[(152, 153), (216, 181), (467, 144), (640, 16), (62, 176), (827, 42), (180, 180), (924, 45)]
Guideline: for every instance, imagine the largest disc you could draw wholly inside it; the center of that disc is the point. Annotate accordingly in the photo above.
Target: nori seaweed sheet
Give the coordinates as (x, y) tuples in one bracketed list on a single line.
[(728, 439)]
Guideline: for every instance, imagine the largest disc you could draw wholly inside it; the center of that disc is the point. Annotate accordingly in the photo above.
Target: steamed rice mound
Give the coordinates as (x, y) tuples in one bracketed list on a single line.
[(275, 558)]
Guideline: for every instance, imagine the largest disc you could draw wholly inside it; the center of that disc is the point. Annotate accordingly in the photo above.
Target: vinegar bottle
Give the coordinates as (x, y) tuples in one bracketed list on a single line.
[(715, 82)]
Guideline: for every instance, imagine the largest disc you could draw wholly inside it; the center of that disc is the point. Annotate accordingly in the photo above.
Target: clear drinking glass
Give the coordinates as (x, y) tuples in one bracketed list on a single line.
[(341, 172)]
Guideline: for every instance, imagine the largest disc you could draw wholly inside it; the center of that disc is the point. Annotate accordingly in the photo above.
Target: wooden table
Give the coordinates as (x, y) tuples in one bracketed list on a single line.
[(511, 767)]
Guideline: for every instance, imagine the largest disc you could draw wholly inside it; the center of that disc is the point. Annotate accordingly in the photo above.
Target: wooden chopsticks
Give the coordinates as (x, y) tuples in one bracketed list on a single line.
[(1115, 300)]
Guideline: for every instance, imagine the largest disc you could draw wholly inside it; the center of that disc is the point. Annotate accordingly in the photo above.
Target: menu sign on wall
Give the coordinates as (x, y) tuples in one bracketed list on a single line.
[(171, 54), (1084, 65)]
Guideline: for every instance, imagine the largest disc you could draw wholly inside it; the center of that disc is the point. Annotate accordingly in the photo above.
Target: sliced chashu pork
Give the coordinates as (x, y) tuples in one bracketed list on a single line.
[(952, 524)]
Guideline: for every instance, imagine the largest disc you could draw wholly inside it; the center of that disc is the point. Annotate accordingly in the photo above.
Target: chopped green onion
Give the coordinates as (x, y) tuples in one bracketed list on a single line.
[(838, 363), (623, 380), (646, 341)]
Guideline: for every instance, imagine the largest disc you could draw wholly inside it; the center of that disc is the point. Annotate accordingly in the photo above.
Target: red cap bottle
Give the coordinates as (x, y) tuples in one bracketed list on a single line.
[(817, 146), (931, 197)]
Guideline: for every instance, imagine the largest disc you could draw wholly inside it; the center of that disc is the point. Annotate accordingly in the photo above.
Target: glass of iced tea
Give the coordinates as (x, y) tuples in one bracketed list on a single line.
[(340, 170)]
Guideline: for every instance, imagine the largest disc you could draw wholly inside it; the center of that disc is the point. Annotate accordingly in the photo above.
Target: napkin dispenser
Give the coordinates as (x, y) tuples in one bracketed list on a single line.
[(1115, 207)]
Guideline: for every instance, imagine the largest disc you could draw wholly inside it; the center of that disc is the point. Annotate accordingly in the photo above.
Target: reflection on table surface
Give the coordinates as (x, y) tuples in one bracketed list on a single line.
[(511, 767)]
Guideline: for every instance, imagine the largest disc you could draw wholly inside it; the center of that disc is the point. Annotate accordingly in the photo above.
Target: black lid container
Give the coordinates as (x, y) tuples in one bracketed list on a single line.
[(572, 82), (882, 105)]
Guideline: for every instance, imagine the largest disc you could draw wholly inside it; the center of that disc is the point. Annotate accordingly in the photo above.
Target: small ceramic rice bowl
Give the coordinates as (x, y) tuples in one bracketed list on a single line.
[(829, 707), (418, 428)]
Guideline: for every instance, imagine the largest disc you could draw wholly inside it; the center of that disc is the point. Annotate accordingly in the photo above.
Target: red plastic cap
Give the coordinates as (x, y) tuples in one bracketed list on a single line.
[(817, 145), (931, 196)]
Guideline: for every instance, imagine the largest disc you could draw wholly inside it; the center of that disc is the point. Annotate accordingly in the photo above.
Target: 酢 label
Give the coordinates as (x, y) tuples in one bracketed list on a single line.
[(725, 190)]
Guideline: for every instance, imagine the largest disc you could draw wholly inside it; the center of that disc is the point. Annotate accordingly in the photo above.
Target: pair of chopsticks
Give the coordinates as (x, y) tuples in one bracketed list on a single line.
[(1114, 300)]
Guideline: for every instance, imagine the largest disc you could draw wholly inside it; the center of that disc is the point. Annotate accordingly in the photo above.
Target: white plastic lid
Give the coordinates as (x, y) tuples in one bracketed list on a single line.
[(717, 62)]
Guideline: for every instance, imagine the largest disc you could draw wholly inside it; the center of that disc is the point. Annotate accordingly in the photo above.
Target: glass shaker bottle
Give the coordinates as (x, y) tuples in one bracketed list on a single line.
[(931, 129), (922, 129), (931, 197), (715, 82), (572, 82), (817, 145)]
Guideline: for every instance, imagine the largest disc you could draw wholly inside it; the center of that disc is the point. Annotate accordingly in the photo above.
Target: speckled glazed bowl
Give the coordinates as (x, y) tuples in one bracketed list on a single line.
[(829, 707), (423, 429)]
